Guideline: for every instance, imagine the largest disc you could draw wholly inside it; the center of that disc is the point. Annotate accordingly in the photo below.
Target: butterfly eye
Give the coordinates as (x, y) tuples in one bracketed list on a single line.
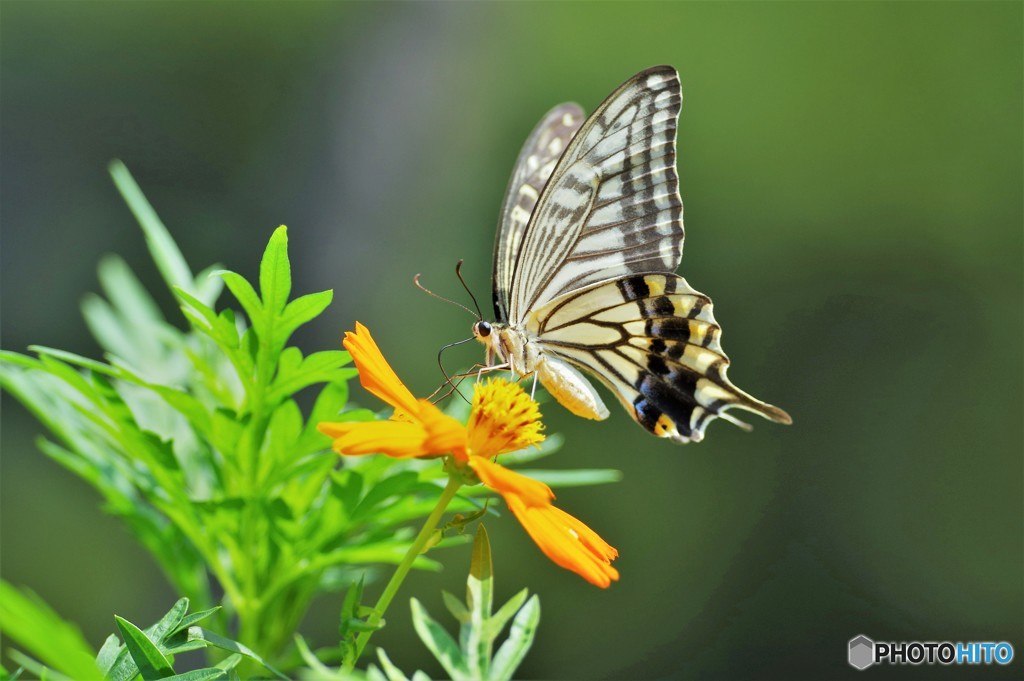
[(482, 329)]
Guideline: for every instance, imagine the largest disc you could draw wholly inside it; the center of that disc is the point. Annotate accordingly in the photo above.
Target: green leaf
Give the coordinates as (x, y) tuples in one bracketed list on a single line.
[(439, 642), (573, 478), (170, 622), (147, 657), (246, 295), (455, 607), (476, 645), (305, 308), (498, 621), (218, 641), (166, 255), (392, 672), (320, 367), (207, 674), (276, 273), (25, 618), (194, 618), (512, 652), (552, 443)]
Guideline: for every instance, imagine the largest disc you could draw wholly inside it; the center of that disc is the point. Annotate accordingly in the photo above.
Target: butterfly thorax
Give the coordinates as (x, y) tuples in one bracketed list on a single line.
[(507, 347)]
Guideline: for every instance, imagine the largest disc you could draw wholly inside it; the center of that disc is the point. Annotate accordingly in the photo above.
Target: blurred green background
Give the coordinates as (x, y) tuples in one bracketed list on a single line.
[(852, 174)]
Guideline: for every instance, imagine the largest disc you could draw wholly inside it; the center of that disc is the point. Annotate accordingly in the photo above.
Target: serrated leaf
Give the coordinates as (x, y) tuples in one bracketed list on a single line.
[(147, 657), (512, 652), (439, 642)]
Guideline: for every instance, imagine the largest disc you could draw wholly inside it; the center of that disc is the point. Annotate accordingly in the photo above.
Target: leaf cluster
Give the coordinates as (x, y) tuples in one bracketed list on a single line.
[(195, 438)]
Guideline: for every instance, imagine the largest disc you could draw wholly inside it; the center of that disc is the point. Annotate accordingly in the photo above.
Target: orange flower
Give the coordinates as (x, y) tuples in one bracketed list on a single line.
[(502, 419)]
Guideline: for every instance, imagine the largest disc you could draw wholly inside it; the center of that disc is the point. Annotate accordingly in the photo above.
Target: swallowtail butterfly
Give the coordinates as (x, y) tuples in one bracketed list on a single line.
[(590, 236)]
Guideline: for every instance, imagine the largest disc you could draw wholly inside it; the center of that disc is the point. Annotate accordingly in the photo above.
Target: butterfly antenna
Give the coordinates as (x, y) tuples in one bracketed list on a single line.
[(458, 273), (447, 378), (416, 280)]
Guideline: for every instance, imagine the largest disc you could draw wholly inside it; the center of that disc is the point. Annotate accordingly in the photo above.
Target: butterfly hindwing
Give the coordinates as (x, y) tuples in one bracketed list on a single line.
[(654, 342), (611, 206)]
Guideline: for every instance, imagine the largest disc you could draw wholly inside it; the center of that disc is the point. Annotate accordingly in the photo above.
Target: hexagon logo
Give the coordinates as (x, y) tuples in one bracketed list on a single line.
[(862, 652)]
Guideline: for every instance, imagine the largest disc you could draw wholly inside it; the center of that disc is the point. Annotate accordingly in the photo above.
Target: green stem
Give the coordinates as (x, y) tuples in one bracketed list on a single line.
[(403, 568)]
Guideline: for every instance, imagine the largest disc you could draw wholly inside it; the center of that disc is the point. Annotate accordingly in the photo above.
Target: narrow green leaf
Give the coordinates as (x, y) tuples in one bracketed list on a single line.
[(147, 657), (246, 295), (391, 671), (276, 273), (108, 653), (200, 634), (170, 622), (439, 642), (33, 666), (194, 618), (126, 293), (208, 285), (512, 652), (305, 308), (498, 621), (387, 488), (165, 252), (480, 585), (25, 618), (208, 674), (455, 607), (552, 443), (580, 477)]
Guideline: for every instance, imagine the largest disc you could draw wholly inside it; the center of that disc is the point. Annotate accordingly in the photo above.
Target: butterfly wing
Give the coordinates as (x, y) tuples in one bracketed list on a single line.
[(611, 206), (536, 161), (653, 341)]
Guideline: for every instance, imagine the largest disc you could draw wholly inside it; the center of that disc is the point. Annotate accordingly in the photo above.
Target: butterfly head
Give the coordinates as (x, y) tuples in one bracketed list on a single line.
[(481, 330)]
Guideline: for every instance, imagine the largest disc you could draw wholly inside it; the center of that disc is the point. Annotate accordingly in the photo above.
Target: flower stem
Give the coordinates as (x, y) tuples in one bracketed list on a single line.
[(403, 568)]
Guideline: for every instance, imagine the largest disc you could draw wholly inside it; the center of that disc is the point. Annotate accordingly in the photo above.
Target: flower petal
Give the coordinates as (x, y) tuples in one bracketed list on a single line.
[(444, 433), (510, 484), (567, 541), (375, 374), (398, 439)]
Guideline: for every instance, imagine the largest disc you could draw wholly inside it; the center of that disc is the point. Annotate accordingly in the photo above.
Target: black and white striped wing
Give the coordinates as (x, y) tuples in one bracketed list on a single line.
[(611, 206), (653, 341), (533, 168)]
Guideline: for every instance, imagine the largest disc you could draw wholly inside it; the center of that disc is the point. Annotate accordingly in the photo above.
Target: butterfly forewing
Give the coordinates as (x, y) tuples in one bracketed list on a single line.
[(611, 207), (533, 168)]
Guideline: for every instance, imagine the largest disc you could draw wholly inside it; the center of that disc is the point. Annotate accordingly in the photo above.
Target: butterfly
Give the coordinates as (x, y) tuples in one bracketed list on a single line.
[(589, 239)]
